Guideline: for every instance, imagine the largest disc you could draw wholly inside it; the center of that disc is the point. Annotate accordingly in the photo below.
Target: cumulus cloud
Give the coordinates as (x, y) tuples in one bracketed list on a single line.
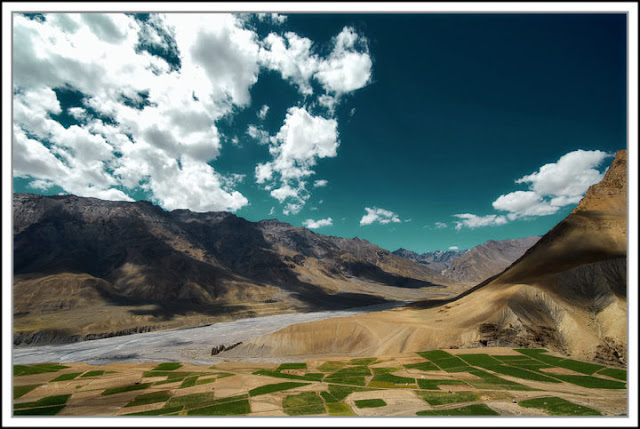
[(313, 224), (300, 142), (127, 74), (453, 247), (440, 225), (128, 70), (473, 221), (346, 69), (553, 186), (258, 134), (320, 183), (262, 113), (381, 216)]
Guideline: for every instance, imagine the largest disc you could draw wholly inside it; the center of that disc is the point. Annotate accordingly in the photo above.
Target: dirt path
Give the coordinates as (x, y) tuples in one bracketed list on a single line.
[(184, 345)]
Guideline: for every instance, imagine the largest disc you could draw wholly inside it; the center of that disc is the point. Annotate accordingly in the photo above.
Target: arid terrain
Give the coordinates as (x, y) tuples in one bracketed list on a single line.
[(566, 293), (546, 336)]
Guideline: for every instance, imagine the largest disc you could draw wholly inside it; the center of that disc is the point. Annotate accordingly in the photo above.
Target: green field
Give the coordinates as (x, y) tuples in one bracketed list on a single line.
[(370, 403), (469, 410), (330, 387), (559, 407)]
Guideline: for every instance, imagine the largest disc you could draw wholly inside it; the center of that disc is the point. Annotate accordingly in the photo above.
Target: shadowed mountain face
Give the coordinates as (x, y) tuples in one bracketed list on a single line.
[(567, 293), (476, 264), (84, 266)]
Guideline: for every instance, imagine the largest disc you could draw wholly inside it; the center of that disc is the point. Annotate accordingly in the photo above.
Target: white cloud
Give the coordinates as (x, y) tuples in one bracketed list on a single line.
[(473, 221), (376, 215), (440, 225), (346, 69), (98, 56), (320, 183), (313, 224), (453, 247), (275, 18), (258, 134), (554, 185), (148, 120), (301, 141), (262, 113), (524, 203)]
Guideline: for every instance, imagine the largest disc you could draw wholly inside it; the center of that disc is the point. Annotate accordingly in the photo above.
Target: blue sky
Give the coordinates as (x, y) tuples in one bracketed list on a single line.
[(422, 131)]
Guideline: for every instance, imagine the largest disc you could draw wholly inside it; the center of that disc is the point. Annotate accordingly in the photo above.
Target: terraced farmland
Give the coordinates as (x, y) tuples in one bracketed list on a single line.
[(431, 383)]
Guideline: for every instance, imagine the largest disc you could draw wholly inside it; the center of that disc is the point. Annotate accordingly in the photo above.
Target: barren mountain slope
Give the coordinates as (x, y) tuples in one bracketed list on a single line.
[(488, 259), (87, 267), (567, 293)]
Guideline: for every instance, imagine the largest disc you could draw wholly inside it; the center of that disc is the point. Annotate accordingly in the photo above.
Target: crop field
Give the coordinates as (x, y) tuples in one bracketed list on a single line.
[(520, 382)]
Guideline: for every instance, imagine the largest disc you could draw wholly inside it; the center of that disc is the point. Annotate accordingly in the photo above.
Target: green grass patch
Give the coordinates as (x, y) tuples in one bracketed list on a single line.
[(339, 409), (44, 402), (129, 388), (574, 365), (349, 375), (149, 398), (363, 361), (328, 397), (370, 403), (19, 391), (294, 365), (173, 375), (433, 384), (92, 374), (490, 381), (189, 382), (167, 366), (481, 360), (452, 363), (559, 407), (435, 355), (331, 366), (220, 375), (205, 381), (423, 366), (231, 398), (442, 398), (469, 410), (386, 370), (620, 374), (513, 358), (236, 408), (192, 400), (20, 370), (66, 377), (46, 411), (390, 380), (158, 412), (312, 376), (341, 392), (277, 387), (304, 403), (592, 382)]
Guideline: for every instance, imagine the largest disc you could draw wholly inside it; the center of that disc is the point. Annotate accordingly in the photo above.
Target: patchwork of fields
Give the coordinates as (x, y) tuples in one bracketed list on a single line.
[(510, 382)]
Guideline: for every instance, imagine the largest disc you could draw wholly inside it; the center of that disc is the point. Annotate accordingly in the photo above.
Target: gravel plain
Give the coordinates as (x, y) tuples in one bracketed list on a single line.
[(184, 345)]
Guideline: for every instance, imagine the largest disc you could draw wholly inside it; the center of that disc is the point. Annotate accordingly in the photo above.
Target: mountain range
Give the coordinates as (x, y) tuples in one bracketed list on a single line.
[(86, 268), (476, 264), (567, 293)]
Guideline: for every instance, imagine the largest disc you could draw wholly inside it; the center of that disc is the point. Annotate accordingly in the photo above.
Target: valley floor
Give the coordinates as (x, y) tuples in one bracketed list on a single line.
[(185, 345), (482, 381)]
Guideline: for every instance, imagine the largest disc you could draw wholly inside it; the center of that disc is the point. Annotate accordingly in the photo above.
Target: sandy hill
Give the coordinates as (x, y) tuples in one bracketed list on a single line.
[(86, 268), (567, 293)]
